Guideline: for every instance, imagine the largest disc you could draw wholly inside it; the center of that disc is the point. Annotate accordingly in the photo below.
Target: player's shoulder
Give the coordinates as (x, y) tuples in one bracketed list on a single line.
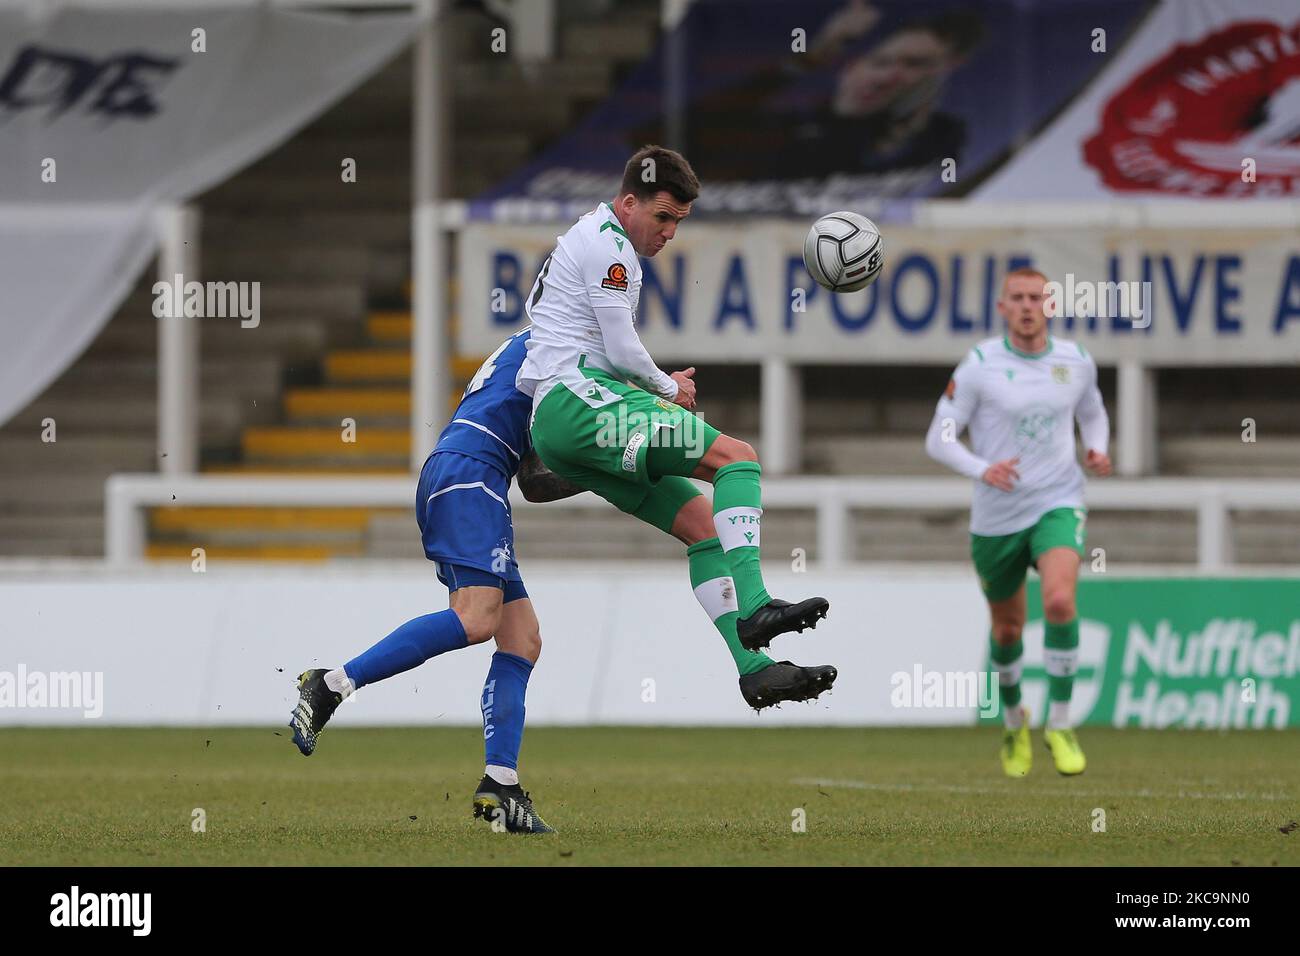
[(982, 354), (1071, 351), (602, 238)]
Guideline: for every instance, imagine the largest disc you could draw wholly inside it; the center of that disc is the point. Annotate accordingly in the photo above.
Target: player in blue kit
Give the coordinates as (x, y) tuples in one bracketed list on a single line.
[(463, 510)]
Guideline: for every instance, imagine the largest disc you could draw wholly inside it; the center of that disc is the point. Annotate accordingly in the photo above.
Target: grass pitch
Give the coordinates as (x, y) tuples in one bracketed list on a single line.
[(645, 796)]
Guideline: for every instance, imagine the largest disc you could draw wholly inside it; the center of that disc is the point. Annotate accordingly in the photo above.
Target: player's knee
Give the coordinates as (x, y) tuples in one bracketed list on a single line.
[(1008, 631), (480, 624), (531, 646), (694, 522), (525, 642), (743, 451), (1058, 606)]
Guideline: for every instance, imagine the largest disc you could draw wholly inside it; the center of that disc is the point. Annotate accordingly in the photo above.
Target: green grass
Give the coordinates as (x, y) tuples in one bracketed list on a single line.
[(645, 796)]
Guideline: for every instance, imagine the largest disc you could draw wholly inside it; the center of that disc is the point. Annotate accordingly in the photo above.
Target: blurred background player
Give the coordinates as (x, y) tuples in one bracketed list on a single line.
[(1019, 396), (463, 509), (587, 369)]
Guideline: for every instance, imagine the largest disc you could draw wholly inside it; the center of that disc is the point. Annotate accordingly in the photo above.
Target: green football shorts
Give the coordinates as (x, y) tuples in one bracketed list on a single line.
[(1003, 560), (632, 448)]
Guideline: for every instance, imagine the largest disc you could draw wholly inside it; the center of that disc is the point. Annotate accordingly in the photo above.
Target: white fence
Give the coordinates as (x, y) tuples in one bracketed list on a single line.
[(126, 497)]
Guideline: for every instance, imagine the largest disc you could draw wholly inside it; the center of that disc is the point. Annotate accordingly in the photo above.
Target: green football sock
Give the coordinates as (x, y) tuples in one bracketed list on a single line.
[(1061, 658), (737, 514), (1006, 660), (716, 592)]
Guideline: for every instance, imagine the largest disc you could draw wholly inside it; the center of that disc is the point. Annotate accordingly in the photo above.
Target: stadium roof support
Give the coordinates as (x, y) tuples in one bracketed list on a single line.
[(430, 143)]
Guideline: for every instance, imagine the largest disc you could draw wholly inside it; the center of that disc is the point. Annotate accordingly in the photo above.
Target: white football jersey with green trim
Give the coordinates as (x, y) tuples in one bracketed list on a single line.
[(593, 264), (1017, 405)]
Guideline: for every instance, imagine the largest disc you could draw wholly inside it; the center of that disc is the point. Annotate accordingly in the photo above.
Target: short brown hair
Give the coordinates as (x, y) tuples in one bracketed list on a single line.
[(669, 172), (1025, 272)]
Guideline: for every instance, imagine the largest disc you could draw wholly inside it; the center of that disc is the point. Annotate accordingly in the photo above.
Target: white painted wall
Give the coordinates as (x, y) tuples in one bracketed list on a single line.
[(176, 647)]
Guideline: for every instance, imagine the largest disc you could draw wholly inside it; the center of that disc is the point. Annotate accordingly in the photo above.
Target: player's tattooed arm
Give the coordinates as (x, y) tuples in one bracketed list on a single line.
[(539, 483)]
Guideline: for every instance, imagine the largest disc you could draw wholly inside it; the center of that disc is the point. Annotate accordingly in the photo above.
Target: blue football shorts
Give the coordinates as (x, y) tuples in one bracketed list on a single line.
[(463, 509)]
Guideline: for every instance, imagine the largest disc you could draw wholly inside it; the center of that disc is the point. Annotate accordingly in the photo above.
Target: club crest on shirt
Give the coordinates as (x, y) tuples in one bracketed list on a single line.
[(615, 278), (1061, 374)]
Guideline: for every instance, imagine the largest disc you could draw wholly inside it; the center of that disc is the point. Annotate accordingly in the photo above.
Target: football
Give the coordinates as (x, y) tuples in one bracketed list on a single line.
[(844, 252)]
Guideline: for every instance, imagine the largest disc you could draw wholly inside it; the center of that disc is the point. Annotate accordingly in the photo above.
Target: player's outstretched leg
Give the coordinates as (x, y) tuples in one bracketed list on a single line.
[(733, 468), (472, 618), (500, 799), (321, 691), (763, 681)]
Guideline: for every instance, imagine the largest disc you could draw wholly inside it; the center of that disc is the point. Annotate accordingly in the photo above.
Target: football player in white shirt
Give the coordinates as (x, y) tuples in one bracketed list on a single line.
[(608, 419), (1019, 396)]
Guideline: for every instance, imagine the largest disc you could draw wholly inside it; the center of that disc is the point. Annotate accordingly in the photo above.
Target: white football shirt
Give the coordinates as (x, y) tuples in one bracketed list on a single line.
[(592, 267), (1018, 405)]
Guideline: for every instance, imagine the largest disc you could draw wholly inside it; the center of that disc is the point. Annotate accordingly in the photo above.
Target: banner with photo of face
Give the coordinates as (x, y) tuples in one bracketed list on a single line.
[(802, 108)]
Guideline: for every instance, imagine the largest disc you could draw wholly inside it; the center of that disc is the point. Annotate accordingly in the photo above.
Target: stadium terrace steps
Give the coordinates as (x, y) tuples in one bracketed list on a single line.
[(619, 39), (1227, 456), (577, 78), (189, 518), (368, 365), (297, 336), (311, 405), (256, 260), (531, 112), (875, 454), (257, 372), (323, 250), (266, 552), (389, 328), (1267, 537), (221, 227), (387, 366), (220, 418), (263, 468), (26, 454), (324, 443), (51, 541), (58, 492), (270, 189), (319, 298)]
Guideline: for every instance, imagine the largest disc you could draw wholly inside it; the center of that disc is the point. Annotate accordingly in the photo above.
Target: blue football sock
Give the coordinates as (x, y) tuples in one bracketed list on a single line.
[(503, 709), (409, 646)]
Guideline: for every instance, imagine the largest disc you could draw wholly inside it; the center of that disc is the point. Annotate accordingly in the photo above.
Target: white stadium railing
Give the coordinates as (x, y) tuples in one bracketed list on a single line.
[(128, 495)]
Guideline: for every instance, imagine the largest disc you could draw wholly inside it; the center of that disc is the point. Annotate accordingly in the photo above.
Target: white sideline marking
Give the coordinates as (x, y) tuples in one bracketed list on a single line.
[(1000, 792)]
